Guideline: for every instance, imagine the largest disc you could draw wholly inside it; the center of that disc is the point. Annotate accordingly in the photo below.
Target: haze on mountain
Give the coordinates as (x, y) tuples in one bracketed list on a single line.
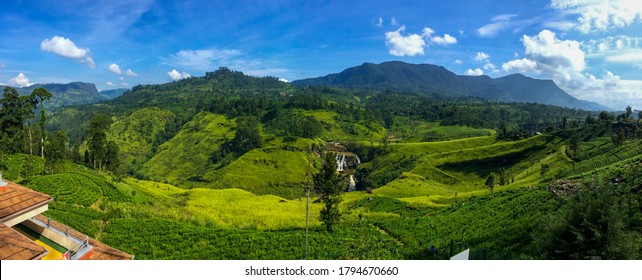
[(74, 93), (433, 79)]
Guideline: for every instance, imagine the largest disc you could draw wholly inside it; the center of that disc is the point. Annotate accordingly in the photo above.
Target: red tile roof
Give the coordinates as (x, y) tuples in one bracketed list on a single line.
[(15, 246), (16, 199)]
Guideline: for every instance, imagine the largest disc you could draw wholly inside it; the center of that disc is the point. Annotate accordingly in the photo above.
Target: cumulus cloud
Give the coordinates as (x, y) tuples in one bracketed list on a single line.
[(458, 62), (379, 22), (565, 62), (444, 40), (400, 45), (110, 84), (523, 65), (20, 81), (66, 48), (130, 73), (594, 16), (201, 60), (394, 22), (114, 68), (481, 57), (284, 80), (476, 72), (175, 75)]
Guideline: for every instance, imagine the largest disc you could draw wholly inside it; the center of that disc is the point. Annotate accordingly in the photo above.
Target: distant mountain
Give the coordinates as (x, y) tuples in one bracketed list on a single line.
[(526, 89), (113, 93), (75, 93), (432, 79)]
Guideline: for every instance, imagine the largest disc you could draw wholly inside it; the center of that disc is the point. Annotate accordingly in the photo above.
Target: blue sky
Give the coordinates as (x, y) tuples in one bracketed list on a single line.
[(592, 49)]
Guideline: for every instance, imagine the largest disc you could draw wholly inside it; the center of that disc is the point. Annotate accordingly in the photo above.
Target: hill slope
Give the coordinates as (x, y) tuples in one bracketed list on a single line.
[(75, 93)]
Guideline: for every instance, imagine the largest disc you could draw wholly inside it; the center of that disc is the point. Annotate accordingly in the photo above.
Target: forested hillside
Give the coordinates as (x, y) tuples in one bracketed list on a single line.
[(224, 161)]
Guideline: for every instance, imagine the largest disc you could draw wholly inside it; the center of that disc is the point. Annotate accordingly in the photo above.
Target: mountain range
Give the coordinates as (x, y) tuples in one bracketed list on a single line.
[(74, 93), (433, 79)]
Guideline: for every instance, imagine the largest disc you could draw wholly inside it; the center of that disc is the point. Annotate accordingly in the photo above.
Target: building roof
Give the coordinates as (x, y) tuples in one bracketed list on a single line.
[(15, 246), (100, 250), (16, 200)]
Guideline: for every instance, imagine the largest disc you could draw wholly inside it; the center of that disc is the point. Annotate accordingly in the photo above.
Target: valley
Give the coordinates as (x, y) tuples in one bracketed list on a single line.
[(216, 167)]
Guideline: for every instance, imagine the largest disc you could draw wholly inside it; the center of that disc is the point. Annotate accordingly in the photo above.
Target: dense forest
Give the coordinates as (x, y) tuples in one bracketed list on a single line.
[(226, 159)]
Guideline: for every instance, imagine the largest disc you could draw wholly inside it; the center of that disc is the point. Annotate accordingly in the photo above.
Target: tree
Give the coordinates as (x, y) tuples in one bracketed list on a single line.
[(629, 113), (490, 181), (112, 161), (329, 185), (15, 110), (248, 135), (618, 138), (602, 219), (57, 146), (97, 144), (575, 143)]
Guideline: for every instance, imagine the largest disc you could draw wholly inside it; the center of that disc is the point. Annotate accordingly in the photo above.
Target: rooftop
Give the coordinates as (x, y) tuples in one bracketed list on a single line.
[(15, 246), (22, 206)]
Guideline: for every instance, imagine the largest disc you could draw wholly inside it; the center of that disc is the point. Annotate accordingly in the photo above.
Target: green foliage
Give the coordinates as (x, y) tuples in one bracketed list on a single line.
[(329, 186), (18, 167), (185, 241), (490, 181), (138, 135), (602, 219)]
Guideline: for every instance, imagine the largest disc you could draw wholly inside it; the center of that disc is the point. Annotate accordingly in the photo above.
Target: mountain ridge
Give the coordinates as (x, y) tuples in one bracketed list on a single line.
[(434, 79)]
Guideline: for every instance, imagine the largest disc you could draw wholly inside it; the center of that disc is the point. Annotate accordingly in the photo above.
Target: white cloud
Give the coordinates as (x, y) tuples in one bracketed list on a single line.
[(445, 40), (504, 17), (564, 62), (523, 65), (498, 23), (476, 72), (20, 81), (64, 47), (427, 32), (596, 15), (458, 62), (489, 66), (379, 22), (394, 22), (110, 84), (121, 78), (114, 68), (2, 66), (560, 25), (399, 45), (124, 84), (481, 56), (130, 73), (201, 60), (89, 61), (175, 75), (284, 80)]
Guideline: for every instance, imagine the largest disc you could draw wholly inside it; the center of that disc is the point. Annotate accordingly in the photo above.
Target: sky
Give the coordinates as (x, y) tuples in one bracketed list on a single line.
[(592, 49)]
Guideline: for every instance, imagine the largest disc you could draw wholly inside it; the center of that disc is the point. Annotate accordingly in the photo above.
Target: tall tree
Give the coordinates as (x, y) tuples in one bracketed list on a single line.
[(15, 110), (329, 185), (575, 143), (629, 113), (57, 146), (97, 144)]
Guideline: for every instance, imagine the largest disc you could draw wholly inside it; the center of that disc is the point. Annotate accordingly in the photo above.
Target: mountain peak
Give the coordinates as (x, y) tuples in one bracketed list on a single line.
[(434, 79)]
